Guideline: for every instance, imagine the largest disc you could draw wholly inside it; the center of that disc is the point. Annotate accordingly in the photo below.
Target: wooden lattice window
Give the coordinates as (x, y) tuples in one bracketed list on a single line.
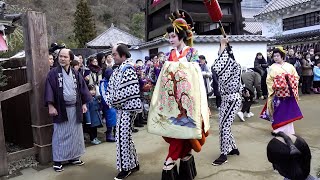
[(301, 21)]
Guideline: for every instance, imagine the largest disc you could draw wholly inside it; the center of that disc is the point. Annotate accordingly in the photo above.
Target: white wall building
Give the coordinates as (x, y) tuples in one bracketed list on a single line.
[(290, 20), (245, 48), (249, 8)]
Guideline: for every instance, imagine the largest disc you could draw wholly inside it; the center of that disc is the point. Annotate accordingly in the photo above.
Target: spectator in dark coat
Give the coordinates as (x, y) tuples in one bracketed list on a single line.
[(215, 88), (205, 73), (261, 65)]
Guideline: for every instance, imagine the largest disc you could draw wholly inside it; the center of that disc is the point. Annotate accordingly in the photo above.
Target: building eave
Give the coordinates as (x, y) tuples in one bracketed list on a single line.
[(313, 4)]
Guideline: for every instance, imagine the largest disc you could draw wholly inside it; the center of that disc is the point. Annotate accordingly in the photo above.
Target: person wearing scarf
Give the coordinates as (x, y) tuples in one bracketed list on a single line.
[(95, 75)]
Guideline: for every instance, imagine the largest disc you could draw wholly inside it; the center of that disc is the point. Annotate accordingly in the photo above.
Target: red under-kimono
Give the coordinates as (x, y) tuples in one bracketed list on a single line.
[(180, 148)]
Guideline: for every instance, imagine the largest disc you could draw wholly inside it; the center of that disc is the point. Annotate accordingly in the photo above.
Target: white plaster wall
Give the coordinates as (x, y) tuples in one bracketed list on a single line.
[(135, 55), (165, 48), (273, 26), (244, 52), (142, 53)]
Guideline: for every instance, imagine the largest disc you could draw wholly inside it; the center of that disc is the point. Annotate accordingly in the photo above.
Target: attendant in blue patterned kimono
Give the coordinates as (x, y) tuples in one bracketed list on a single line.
[(66, 95), (228, 71), (123, 93)]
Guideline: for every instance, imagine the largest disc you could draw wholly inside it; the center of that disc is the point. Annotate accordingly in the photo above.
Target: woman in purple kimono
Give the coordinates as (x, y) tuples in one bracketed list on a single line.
[(66, 95), (282, 82)]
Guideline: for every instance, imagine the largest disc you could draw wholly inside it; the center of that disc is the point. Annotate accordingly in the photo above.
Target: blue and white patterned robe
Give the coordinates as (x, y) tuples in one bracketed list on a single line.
[(123, 93)]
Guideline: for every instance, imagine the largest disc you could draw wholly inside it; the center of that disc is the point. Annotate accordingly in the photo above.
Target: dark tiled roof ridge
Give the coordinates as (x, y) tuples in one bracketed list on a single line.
[(277, 5), (209, 39)]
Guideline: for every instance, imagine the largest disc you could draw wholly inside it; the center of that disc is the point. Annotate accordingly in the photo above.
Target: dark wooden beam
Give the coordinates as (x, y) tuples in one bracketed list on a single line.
[(237, 23), (220, 1), (15, 91), (36, 48), (152, 9), (158, 32), (204, 17), (3, 149), (21, 154), (146, 24)]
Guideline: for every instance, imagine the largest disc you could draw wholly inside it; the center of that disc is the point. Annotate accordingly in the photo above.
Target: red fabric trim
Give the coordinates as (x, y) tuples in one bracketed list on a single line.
[(276, 126), (264, 108), (178, 148), (175, 58)]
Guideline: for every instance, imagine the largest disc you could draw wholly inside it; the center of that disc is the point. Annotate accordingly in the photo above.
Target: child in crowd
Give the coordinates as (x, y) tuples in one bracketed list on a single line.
[(109, 113), (93, 116), (316, 78)]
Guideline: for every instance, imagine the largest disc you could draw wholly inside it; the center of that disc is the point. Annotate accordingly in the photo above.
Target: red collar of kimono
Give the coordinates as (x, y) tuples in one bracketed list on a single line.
[(175, 57)]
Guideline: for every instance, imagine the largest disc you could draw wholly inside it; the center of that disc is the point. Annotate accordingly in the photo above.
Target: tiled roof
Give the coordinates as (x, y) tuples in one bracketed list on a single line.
[(232, 38), (152, 43), (113, 36), (253, 27), (300, 37), (276, 5), (210, 39)]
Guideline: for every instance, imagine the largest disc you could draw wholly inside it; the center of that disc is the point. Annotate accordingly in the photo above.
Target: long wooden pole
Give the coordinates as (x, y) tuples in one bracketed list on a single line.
[(36, 48), (223, 32), (3, 150)]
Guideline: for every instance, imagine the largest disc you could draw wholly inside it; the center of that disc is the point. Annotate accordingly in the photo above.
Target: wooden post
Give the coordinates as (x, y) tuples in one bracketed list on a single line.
[(36, 48), (3, 149), (147, 24)]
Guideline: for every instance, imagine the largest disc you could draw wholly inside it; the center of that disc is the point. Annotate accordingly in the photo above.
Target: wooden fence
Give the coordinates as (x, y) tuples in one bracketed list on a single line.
[(36, 48)]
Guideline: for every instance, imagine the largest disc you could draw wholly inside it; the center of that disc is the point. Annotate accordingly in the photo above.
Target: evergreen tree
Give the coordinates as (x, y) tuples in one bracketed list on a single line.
[(3, 78), (137, 25), (84, 26)]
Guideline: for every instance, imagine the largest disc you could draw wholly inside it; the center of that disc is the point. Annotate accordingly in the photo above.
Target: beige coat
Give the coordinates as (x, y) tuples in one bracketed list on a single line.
[(307, 68)]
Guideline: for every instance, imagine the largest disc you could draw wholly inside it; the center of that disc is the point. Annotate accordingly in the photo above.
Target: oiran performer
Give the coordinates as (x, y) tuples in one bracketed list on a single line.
[(179, 107)]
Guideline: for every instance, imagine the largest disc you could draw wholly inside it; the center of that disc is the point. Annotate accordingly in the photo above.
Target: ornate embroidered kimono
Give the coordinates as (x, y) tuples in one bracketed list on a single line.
[(179, 107), (67, 91), (229, 74), (123, 93), (282, 99)]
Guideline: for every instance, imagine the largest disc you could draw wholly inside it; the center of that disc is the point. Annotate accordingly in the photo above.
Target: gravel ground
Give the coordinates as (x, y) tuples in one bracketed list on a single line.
[(15, 166), (22, 164)]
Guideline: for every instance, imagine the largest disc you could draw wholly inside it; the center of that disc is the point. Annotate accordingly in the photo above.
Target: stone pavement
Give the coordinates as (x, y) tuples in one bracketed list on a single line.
[(251, 137)]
